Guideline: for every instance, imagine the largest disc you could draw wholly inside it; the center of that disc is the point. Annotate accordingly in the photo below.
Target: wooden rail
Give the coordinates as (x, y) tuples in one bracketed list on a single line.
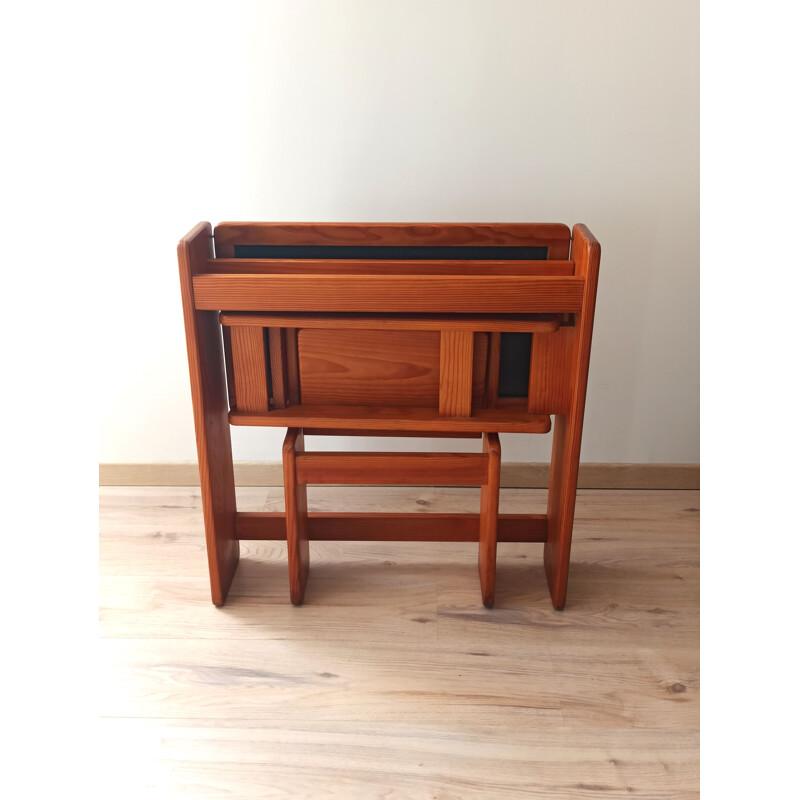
[(414, 527), (465, 294), (523, 323), (510, 419)]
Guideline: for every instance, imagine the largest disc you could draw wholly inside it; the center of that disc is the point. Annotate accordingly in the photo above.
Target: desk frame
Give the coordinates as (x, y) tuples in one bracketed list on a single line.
[(229, 303)]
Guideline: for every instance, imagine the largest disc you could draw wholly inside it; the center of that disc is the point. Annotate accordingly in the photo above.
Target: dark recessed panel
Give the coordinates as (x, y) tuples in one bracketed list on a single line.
[(515, 364)]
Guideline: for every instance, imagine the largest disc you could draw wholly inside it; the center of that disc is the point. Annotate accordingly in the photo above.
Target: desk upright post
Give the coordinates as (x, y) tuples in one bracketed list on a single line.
[(210, 403), (568, 427)]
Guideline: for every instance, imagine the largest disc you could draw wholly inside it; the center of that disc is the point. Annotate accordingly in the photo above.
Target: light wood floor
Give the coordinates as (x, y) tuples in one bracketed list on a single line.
[(393, 681)]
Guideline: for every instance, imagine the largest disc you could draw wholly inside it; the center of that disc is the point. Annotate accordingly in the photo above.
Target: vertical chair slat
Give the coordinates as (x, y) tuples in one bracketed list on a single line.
[(249, 368), (455, 373), (551, 380)]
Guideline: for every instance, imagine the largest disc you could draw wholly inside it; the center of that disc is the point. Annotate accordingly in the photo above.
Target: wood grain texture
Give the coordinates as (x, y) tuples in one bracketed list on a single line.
[(249, 360), (490, 500), (392, 527), (296, 517), (377, 367), (393, 469), (533, 323), (553, 235), (395, 663), (506, 418), (568, 427), (464, 294), (456, 373), (210, 405), (552, 374), (388, 367)]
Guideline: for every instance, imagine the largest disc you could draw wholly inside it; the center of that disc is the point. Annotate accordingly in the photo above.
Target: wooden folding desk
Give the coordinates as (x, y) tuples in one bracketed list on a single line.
[(388, 330)]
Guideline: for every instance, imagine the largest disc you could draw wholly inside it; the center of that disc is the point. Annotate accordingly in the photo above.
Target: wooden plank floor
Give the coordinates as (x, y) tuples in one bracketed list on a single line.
[(393, 681)]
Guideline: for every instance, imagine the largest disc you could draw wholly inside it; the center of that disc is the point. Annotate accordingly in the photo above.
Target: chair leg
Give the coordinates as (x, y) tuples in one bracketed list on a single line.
[(296, 516), (490, 501)]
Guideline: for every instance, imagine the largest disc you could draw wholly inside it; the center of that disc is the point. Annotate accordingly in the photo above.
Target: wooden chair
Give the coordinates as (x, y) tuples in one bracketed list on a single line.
[(388, 330)]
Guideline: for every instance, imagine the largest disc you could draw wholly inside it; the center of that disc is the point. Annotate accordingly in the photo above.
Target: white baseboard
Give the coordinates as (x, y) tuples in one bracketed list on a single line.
[(513, 475)]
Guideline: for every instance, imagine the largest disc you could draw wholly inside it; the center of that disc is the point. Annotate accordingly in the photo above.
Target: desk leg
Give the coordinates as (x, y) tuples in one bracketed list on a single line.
[(210, 403), (490, 501), (567, 428), (296, 516), (561, 506)]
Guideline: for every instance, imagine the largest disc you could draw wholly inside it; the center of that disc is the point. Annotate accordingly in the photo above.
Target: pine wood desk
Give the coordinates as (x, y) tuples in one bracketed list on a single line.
[(449, 330)]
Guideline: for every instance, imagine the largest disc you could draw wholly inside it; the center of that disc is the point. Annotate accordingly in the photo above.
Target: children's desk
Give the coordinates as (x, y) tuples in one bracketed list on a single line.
[(449, 330)]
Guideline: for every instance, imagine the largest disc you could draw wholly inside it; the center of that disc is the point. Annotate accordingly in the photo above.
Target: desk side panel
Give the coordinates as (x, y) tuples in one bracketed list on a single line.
[(568, 427), (212, 431)]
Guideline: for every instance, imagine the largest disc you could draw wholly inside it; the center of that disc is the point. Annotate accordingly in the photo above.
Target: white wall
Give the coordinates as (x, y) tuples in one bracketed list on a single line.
[(539, 111)]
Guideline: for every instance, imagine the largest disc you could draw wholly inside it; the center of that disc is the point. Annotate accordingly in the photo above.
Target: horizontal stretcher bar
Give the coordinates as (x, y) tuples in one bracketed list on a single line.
[(409, 434), (393, 469), (524, 323), (476, 294), (508, 419), (376, 527), (301, 266)]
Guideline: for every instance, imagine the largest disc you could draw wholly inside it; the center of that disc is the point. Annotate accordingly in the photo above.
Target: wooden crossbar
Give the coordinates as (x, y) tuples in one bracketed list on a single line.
[(510, 418), (465, 294), (392, 469), (524, 323), (404, 434), (384, 527)]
